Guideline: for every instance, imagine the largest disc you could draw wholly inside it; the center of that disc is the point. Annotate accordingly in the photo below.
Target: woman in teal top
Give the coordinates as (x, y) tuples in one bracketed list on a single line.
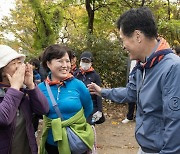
[(72, 97)]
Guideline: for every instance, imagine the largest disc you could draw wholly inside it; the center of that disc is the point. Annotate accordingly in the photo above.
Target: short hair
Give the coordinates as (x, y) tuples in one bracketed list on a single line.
[(138, 19), (35, 62), (54, 51), (177, 49)]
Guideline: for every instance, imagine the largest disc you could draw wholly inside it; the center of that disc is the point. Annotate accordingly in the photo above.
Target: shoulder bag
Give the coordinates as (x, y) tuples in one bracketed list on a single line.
[(77, 146)]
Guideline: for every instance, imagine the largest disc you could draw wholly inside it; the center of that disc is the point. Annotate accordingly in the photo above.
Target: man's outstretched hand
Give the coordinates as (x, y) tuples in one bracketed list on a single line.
[(94, 89)]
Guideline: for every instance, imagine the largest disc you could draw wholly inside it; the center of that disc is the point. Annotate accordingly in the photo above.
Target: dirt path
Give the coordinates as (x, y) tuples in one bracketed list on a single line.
[(116, 138)]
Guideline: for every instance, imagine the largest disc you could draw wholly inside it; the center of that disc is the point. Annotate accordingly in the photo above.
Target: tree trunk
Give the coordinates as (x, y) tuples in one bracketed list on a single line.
[(143, 2), (169, 10), (90, 10)]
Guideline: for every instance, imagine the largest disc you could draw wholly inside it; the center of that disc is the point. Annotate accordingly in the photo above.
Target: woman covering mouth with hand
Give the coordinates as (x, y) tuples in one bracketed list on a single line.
[(19, 98)]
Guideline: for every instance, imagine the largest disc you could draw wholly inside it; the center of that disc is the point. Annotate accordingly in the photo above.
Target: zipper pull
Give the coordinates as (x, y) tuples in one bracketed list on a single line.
[(58, 92)]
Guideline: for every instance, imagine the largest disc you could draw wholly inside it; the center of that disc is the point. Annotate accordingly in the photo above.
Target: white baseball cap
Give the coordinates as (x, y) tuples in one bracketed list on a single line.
[(7, 54)]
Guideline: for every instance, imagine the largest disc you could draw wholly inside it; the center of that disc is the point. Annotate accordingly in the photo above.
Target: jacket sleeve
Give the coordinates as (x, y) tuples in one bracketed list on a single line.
[(171, 111), (9, 106), (86, 100), (122, 94), (98, 98), (39, 103)]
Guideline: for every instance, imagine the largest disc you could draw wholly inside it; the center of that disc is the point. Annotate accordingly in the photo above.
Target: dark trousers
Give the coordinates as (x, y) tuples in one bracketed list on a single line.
[(131, 108), (35, 121), (51, 149)]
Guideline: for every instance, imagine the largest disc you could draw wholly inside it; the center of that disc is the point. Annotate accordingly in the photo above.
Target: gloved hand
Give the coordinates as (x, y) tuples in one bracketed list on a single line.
[(97, 115)]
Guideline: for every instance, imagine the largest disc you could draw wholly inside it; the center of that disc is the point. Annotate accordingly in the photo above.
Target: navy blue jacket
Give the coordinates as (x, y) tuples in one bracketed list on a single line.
[(87, 78)]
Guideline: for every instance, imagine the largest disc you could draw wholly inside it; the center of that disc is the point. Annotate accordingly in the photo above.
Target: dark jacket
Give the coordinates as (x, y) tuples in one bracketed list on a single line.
[(87, 78), (28, 101)]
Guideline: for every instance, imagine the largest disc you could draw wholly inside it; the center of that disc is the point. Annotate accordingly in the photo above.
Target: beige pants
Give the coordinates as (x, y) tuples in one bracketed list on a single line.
[(141, 152)]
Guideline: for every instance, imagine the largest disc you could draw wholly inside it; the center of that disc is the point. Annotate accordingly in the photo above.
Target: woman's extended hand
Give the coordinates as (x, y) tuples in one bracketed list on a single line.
[(94, 89)]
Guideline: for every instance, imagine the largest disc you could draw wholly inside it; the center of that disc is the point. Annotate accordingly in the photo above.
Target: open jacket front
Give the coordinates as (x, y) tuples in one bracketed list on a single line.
[(157, 93)]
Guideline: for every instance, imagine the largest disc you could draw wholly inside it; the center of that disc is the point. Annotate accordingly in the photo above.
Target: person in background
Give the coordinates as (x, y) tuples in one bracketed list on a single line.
[(177, 50), (36, 64), (37, 79), (130, 114), (43, 73), (19, 98), (73, 62), (87, 74), (131, 106), (73, 100), (153, 84)]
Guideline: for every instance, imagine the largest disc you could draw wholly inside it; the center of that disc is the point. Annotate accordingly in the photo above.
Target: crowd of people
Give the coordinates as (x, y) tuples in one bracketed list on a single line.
[(69, 98)]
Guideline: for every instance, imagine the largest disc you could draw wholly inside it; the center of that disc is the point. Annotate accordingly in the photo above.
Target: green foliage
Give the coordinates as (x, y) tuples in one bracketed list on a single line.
[(39, 23), (170, 30), (20, 25), (48, 21), (111, 62)]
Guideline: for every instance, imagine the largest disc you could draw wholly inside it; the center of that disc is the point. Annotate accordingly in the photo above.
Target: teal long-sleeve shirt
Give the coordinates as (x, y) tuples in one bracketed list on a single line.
[(70, 97)]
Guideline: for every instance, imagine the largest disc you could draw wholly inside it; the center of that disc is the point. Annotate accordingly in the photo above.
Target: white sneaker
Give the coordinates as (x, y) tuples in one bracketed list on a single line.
[(125, 121)]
